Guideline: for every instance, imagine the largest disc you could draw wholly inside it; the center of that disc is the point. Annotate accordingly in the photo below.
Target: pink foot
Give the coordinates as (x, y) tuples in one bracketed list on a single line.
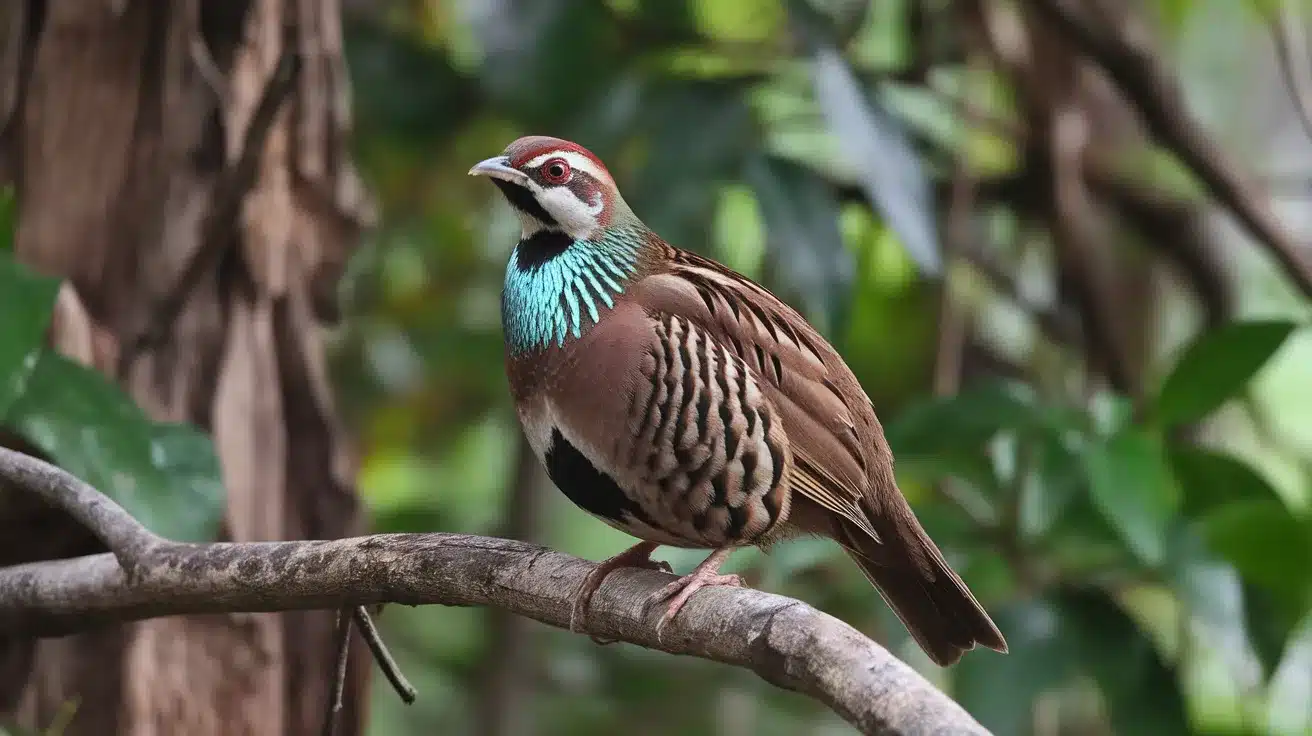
[(703, 576), (639, 555)]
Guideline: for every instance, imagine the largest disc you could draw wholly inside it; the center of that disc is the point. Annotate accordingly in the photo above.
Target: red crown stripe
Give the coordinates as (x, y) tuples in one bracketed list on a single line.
[(529, 147)]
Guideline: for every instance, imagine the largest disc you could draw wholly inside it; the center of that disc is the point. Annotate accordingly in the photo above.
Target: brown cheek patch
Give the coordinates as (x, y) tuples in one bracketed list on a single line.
[(586, 188)]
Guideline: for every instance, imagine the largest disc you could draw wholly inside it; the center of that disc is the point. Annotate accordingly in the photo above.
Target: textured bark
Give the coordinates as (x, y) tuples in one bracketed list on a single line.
[(123, 127), (784, 641)]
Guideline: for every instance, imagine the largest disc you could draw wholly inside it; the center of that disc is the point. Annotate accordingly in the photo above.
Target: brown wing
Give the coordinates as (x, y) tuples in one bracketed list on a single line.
[(654, 425), (841, 461), (828, 418)]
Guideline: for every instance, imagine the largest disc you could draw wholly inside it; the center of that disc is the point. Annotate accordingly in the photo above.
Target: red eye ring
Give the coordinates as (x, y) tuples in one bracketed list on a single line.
[(556, 171)]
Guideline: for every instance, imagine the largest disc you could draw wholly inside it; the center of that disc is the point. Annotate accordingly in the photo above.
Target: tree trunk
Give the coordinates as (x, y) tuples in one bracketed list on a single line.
[(125, 126)]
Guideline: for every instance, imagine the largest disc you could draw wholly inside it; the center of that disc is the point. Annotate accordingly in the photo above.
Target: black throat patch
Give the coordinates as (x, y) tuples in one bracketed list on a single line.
[(541, 247), (522, 199)]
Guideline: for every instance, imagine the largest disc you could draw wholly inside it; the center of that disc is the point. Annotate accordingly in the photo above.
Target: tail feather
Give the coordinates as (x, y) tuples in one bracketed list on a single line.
[(916, 582)]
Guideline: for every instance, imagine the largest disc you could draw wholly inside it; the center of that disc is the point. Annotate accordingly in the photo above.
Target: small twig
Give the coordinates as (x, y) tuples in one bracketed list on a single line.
[(343, 641), (382, 656), (208, 68), (230, 190), (110, 523)]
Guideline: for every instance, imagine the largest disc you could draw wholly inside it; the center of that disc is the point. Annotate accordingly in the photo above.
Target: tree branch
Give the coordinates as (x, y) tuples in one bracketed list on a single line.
[(342, 647), (122, 534), (786, 642), (1127, 57)]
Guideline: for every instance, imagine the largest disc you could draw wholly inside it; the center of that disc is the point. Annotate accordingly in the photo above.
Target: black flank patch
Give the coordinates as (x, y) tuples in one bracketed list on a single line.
[(522, 199), (541, 247), (589, 488)]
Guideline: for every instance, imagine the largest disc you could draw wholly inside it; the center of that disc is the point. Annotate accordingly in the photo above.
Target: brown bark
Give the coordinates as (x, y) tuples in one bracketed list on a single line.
[(1074, 123), (123, 128), (785, 641)]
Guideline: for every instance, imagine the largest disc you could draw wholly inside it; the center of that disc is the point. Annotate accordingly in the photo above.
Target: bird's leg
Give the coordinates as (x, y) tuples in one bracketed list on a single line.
[(704, 575), (639, 555)]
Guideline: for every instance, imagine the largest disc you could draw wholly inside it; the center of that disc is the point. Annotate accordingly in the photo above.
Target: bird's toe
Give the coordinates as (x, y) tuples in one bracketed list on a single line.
[(681, 590)]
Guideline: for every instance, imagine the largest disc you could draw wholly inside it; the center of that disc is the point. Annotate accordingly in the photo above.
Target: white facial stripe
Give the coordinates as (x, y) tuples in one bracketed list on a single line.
[(576, 217), (576, 161)]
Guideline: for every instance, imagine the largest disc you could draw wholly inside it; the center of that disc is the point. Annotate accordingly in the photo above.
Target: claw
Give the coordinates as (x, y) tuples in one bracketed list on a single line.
[(704, 575), (639, 555)]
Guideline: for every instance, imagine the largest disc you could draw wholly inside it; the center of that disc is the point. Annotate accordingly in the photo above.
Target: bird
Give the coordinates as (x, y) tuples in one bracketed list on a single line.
[(686, 405)]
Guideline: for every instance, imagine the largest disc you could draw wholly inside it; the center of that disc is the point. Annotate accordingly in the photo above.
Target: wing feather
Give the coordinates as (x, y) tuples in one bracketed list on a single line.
[(828, 418)]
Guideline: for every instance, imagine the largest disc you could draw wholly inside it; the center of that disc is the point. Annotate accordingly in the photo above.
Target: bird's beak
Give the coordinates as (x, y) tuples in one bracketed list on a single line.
[(498, 167)]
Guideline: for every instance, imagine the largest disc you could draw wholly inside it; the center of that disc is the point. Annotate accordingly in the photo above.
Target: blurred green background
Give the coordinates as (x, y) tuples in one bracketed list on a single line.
[(1098, 388), (1147, 550)]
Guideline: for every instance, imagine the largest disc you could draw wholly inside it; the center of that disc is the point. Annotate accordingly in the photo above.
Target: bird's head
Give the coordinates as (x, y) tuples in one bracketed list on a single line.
[(555, 185)]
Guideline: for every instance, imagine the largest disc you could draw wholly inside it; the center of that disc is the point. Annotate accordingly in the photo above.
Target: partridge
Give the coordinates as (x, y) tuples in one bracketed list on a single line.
[(686, 405)]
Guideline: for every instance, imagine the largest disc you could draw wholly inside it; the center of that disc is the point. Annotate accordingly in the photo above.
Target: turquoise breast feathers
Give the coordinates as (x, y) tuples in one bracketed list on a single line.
[(551, 297)]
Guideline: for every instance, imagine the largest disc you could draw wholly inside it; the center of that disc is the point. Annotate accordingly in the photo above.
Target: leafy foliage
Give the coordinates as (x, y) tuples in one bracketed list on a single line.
[(1216, 366), (166, 475), (1131, 486), (25, 316)]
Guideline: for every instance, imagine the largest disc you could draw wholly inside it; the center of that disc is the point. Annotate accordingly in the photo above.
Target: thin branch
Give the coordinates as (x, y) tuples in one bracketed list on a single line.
[(343, 652), (365, 623), (230, 190), (786, 642), (1127, 57), (123, 535)]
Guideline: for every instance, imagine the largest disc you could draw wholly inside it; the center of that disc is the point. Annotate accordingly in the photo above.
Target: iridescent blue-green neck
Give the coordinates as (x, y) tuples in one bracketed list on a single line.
[(556, 288)]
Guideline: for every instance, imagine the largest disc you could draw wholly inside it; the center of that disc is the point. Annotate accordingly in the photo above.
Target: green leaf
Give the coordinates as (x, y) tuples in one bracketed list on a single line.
[(675, 190), (543, 60), (165, 475), (965, 422), (1209, 479), (999, 690), (8, 216), (1212, 594), (1141, 691), (1267, 544), (1272, 623), (26, 304), (1052, 642), (1174, 13), (801, 217), (887, 166), (1216, 367), (1132, 487), (1291, 685)]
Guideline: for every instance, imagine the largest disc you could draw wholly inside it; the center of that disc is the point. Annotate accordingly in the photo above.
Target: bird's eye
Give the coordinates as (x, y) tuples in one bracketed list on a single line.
[(556, 170)]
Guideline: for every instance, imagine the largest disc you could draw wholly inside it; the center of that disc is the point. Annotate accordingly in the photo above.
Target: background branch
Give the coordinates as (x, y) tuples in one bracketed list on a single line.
[(122, 534), (1126, 55)]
